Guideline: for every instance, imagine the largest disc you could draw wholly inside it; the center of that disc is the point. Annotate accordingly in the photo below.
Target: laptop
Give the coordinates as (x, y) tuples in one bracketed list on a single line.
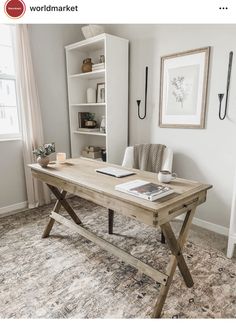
[(113, 171)]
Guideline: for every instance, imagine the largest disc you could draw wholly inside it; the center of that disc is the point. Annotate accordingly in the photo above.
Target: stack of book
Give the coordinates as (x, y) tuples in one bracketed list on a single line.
[(91, 152), (99, 66), (143, 189)]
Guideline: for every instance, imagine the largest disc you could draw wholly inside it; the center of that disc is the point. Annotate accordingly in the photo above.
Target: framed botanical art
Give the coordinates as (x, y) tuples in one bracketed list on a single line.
[(183, 89), (100, 92)]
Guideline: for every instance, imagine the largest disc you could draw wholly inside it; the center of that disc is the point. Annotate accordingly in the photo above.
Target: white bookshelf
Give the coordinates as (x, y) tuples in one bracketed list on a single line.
[(232, 228), (115, 107)]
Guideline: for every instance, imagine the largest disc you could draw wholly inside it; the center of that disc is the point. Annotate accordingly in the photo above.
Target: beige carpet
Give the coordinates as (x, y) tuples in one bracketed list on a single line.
[(66, 276)]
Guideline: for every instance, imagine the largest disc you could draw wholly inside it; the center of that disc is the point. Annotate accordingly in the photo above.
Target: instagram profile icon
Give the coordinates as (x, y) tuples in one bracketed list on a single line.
[(15, 8)]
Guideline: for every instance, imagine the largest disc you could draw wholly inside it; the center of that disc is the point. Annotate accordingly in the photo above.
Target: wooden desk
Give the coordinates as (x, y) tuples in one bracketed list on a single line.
[(79, 177)]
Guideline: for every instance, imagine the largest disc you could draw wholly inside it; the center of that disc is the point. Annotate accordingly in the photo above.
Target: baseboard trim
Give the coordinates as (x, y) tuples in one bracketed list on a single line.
[(211, 226), (208, 225), (7, 210)]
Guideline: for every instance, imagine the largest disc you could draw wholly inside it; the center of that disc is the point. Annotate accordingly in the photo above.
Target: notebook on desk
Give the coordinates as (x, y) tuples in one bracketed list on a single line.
[(113, 171)]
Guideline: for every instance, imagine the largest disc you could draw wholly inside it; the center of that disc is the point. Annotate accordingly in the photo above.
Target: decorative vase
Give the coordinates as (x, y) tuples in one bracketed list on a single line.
[(102, 59), (43, 161), (87, 65), (103, 124), (91, 95)]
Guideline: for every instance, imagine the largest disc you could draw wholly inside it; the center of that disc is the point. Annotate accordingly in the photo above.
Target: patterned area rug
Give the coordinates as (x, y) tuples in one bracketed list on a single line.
[(66, 276)]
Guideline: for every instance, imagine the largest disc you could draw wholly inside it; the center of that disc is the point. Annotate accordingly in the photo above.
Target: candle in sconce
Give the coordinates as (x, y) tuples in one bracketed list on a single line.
[(61, 157)]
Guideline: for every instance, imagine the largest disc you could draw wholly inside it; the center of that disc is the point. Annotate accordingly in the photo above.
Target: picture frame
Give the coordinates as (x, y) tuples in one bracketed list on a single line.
[(100, 92), (183, 89)]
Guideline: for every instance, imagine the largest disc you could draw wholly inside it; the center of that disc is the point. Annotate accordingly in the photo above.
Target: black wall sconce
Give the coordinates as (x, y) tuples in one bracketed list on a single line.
[(139, 101), (221, 95)]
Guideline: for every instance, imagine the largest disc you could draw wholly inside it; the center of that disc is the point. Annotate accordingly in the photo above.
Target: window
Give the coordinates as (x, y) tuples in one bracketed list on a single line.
[(9, 116)]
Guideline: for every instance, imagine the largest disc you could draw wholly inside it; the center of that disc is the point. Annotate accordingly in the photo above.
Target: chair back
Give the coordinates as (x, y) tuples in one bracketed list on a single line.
[(167, 159)]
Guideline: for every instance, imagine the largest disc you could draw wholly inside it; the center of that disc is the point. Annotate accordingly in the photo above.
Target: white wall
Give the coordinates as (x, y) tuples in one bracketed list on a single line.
[(12, 182), (47, 44), (206, 155)]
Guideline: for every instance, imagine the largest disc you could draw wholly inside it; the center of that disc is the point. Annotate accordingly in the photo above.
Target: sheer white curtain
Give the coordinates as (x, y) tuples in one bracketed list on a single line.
[(32, 130)]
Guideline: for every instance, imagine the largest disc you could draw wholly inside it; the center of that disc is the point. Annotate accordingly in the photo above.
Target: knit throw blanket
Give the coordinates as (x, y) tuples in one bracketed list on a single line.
[(148, 157)]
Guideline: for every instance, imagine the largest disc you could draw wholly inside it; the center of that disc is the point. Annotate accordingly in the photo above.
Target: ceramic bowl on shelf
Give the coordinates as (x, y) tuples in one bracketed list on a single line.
[(92, 30)]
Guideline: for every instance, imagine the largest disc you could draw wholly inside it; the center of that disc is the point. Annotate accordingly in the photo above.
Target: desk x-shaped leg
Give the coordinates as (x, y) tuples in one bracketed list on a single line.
[(176, 246), (61, 201)]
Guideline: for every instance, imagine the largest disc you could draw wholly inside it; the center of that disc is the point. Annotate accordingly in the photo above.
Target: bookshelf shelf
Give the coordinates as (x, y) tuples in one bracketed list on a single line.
[(90, 75), (89, 104), (92, 133)]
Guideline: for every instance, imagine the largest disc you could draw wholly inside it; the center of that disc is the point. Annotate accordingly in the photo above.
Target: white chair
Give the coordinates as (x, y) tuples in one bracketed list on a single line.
[(167, 159), (128, 162)]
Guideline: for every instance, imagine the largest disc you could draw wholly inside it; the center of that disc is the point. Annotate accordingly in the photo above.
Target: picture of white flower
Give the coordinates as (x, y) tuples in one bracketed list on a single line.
[(181, 89)]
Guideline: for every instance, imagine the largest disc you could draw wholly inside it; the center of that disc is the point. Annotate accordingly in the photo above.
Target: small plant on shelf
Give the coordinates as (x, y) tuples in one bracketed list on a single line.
[(91, 116), (42, 153)]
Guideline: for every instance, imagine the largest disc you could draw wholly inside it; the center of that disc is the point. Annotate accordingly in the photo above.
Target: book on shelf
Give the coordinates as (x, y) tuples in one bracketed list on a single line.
[(143, 189), (92, 148), (91, 154), (99, 66)]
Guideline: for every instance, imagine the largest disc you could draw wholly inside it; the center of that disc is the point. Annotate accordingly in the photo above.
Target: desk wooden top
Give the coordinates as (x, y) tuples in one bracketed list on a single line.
[(82, 172)]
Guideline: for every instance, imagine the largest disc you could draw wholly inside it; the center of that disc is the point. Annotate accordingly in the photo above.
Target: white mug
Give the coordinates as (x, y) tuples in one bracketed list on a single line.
[(164, 176)]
